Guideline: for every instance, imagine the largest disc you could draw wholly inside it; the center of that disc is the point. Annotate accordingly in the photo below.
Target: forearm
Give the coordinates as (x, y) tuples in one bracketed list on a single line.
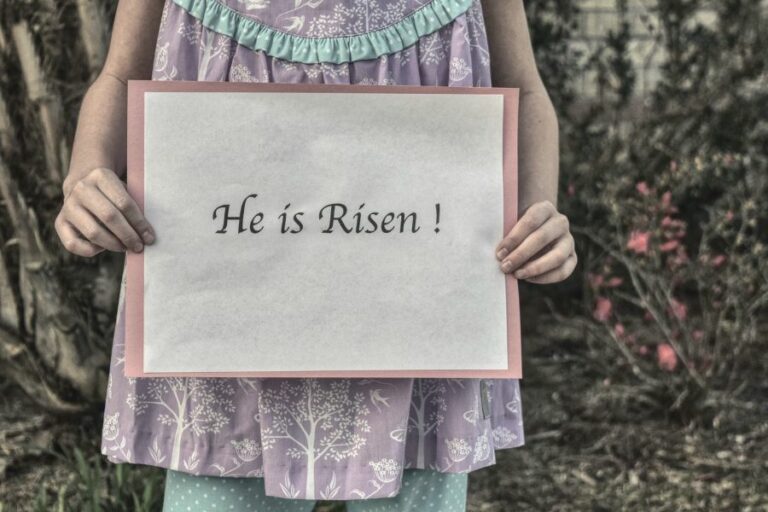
[(538, 149), (513, 65), (100, 138)]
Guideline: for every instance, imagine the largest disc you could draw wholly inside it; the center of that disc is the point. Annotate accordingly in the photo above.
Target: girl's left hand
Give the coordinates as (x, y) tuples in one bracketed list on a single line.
[(540, 247)]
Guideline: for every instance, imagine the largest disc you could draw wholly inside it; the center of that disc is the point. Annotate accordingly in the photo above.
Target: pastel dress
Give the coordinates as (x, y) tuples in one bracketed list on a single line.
[(341, 439)]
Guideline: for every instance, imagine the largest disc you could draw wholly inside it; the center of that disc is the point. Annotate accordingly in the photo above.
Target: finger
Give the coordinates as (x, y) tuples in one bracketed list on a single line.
[(556, 275), (550, 260), (91, 229), (550, 231), (114, 189), (72, 242), (533, 218), (107, 213)]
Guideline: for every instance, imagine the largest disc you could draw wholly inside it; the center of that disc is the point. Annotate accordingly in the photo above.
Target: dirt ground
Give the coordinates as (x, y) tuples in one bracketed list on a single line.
[(590, 445), (580, 455)]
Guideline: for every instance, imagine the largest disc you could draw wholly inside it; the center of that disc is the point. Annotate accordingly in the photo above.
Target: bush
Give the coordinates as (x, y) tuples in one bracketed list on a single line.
[(667, 208)]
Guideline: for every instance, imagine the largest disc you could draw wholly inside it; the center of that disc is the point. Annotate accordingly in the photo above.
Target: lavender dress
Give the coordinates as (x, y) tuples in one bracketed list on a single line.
[(337, 439)]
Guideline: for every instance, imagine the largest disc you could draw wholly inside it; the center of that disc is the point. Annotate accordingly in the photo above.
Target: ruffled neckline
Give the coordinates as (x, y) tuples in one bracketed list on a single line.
[(255, 35)]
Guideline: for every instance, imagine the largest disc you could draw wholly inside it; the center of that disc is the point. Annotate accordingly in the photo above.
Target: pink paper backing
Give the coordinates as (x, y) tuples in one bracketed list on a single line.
[(134, 293)]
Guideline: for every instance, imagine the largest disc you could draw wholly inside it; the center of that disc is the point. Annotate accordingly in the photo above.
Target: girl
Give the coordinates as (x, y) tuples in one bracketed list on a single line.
[(280, 444)]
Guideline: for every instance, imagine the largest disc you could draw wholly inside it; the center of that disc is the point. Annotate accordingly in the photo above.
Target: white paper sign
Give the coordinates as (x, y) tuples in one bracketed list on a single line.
[(367, 237)]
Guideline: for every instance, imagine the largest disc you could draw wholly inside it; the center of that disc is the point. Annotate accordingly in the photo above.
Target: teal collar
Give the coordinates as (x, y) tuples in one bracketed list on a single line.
[(252, 34)]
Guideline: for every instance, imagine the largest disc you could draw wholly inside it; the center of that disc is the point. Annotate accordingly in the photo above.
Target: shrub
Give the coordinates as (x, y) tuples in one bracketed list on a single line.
[(667, 208)]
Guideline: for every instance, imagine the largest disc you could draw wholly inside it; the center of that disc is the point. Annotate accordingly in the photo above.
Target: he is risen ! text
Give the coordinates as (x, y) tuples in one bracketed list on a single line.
[(332, 218)]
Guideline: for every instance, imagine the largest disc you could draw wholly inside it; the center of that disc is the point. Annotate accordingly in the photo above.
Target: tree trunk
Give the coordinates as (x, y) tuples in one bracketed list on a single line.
[(56, 315), (310, 486)]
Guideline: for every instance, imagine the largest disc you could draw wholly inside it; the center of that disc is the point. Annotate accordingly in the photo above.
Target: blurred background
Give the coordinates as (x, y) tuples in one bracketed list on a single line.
[(645, 373)]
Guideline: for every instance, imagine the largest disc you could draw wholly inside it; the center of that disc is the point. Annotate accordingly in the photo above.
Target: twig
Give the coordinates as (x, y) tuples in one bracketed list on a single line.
[(49, 107)]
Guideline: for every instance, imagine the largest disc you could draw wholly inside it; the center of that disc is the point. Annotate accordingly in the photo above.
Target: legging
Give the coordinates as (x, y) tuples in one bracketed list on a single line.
[(421, 491)]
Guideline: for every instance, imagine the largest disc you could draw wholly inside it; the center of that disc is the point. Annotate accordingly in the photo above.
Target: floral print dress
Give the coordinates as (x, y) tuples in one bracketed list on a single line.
[(339, 439)]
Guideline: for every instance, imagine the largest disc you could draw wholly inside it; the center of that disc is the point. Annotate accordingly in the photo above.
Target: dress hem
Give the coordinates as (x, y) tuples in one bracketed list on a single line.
[(260, 474)]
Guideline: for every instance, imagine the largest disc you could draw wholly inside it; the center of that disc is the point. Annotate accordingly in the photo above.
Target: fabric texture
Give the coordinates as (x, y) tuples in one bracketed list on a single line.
[(256, 35), (422, 491), (342, 439)]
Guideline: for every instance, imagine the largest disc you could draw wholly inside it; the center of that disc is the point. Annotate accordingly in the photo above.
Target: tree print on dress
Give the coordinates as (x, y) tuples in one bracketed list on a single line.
[(433, 48), (475, 33), (317, 418), (210, 45), (189, 405), (428, 406), (357, 17)]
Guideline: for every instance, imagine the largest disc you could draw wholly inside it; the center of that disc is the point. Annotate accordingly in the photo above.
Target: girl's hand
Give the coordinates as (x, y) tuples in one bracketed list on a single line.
[(540, 247), (98, 213)]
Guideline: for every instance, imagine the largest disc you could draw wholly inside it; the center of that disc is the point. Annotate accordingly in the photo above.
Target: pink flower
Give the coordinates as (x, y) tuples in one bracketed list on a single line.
[(642, 350), (618, 329), (729, 216), (666, 357), (642, 188), (718, 260), (614, 282), (603, 308), (698, 335), (669, 246), (678, 309), (638, 241), (595, 280), (680, 258)]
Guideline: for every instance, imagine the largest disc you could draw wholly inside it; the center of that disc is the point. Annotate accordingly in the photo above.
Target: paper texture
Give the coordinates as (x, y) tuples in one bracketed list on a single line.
[(273, 301)]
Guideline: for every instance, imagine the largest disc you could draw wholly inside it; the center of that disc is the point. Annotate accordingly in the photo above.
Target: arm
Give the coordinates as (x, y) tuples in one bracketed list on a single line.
[(97, 212), (513, 65), (539, 247)]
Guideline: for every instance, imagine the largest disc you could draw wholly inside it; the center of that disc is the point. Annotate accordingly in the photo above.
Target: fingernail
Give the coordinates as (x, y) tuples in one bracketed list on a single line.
[(506, 266), (502, 252), (148, 237), (521, 274), (137, 248)]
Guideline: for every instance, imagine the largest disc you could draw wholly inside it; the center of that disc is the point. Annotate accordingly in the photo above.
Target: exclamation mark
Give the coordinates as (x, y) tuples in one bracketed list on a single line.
[(437, 217)]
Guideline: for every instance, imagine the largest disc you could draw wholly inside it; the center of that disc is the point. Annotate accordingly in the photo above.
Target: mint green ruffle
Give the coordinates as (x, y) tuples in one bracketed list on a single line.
[(310, 50)]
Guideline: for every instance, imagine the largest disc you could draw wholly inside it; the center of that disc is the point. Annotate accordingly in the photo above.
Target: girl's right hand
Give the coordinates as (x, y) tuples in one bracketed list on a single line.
[(98, 213)]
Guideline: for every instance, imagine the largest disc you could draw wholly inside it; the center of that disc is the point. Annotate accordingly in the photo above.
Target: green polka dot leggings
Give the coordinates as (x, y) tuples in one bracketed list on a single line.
[(422, 491)]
